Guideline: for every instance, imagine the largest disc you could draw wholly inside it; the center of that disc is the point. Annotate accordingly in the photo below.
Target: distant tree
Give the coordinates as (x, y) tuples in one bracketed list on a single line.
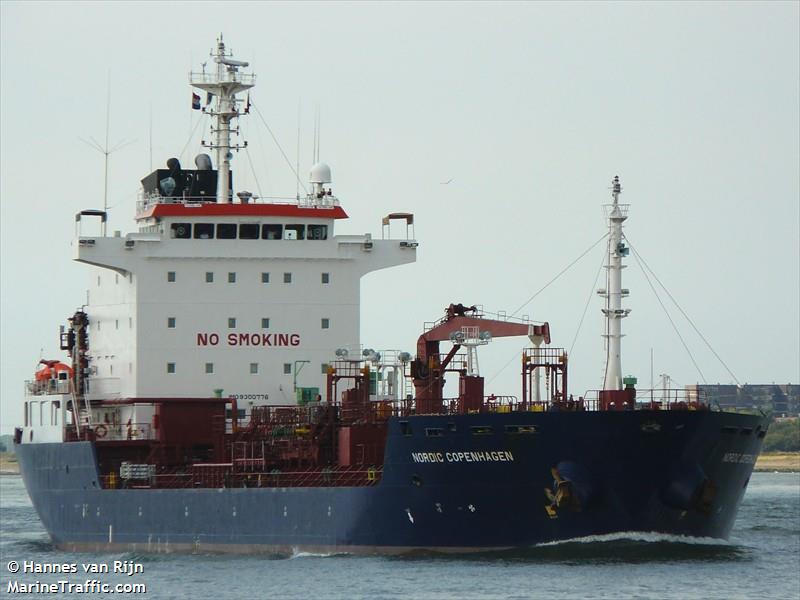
[(783, 436)]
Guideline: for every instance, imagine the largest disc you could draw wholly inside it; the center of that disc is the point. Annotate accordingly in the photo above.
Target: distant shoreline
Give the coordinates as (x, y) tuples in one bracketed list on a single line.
[(781, 462), (768, 462)]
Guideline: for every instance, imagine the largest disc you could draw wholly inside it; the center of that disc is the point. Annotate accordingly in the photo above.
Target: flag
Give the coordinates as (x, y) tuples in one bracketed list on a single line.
[(195, 101)]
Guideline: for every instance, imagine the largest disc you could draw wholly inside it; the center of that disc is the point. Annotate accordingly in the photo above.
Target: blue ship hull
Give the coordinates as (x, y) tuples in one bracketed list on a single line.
[(449, 483)]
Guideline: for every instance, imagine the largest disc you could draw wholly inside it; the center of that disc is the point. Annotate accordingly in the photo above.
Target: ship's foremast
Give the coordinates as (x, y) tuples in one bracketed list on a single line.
[(614, 292), (223, 83)]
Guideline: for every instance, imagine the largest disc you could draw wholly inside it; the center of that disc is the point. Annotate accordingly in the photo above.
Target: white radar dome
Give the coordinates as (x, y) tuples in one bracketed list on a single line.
[(320, 173)]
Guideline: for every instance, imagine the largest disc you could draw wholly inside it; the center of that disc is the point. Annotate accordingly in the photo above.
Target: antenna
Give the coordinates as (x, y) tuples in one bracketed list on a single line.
[(297, 160), (106, 151)]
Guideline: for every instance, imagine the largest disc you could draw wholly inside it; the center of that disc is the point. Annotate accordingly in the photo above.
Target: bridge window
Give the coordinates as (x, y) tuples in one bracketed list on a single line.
[(325, 367), (226, 231), (249, 231), (171, 322), (271, 232), (317, 232), (231, 277), (209, 277), (181, 231), (171, 276), (203, 231), (326, 323), (287, 368), (326, 278), (170, 367), (265, 278), (294, 232), (209, 368), (287, 278), (231, 322), (253, 368), (264, 323)]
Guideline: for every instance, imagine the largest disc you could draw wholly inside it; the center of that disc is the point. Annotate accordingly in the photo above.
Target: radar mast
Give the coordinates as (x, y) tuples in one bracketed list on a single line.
[(223, 83), (617, 250)]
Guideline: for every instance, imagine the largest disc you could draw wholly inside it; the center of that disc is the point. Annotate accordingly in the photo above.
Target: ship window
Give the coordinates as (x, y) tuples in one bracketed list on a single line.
[(116, 323), (522, 429), (481, 430), (111, 369), (170, 367), (116, 277), (271, 232), (287, 368), (326, 323), (294, 232), (287, 278), (231, 322), (451, 427), (249, 231), (264, 323), (325, 367), (326, 278), (253, 368), (98, 281), (171, 322), (434, 431), (209, 368), (405, 427), (265, 278), (231, 277), (171, 276), (181, 231), (27, 420), (209, 277), (203, 231), (226, 231), (317, 232)]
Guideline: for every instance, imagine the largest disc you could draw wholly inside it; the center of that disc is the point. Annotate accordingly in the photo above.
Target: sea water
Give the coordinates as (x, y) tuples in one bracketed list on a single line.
[(761, 560)]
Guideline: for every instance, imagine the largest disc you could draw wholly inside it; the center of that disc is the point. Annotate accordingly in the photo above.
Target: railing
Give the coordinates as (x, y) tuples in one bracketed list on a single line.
[(144, 201), (225, 475), (656, 399), (47, 386), (106, 432), (229, 76)]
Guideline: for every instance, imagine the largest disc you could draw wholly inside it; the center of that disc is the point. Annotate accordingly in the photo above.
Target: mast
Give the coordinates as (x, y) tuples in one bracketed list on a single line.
[(617, 214), (223, 83)]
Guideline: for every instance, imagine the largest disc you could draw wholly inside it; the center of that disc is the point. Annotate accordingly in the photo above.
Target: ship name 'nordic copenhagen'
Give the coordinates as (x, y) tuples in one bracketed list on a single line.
[(440, 457)]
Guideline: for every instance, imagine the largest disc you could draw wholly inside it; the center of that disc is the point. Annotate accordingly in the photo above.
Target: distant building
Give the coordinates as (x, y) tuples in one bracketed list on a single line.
[(782, 400)]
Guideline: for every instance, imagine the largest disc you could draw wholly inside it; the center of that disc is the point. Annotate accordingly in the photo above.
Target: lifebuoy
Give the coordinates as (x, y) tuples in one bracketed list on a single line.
[(100, 431)]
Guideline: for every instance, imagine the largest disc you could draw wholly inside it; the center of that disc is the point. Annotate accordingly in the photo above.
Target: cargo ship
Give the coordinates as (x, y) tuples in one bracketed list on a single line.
[(215, 395)]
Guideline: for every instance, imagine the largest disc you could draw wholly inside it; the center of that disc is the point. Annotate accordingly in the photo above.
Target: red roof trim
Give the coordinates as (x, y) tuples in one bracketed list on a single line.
[(242, 210)]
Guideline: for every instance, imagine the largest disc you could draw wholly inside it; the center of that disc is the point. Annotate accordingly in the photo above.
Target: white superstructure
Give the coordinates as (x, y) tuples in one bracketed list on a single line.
[(216, 291)]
